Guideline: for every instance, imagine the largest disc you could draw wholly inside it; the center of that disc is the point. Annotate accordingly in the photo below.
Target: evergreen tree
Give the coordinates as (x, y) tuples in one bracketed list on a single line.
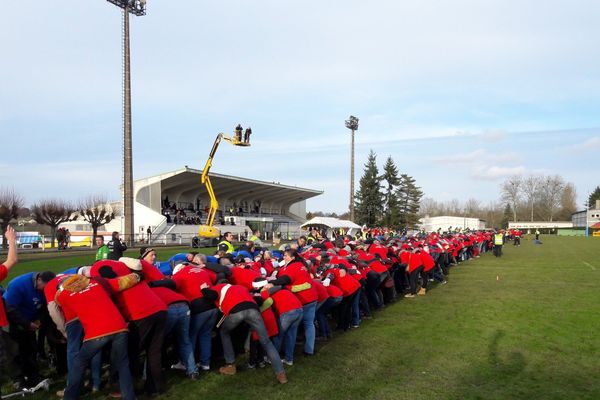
[(391, 214), (409, 197), (506, 217), (369, 199), (595, 195)]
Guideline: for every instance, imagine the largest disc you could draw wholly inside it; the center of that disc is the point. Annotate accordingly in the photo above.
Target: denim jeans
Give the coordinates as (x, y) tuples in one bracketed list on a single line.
[(322, 312), (74, 338), (118, 359), (356, 308), (308, 320), (178, 321), (253, 318), (288, 330), (201, 326)]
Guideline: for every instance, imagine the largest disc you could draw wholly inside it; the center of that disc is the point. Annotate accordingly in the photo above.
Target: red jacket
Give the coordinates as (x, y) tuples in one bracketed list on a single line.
[(135, 303), (96, 311), (168, 296), (230, 296), (189, 280), (298, 274), (243, 276), (50, 292)]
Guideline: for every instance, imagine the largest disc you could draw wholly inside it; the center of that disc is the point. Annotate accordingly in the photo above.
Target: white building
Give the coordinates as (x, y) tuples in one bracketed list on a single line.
[(447, 223)]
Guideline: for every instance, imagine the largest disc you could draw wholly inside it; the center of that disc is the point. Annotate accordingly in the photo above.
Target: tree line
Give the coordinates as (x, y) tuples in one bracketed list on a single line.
[(94, 209)]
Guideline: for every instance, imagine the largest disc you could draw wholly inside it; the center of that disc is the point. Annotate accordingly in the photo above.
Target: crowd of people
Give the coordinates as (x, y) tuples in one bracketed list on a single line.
[(128, 314)]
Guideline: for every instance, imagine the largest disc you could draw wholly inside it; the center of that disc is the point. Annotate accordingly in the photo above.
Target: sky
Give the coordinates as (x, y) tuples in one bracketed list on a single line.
[(460, 94)]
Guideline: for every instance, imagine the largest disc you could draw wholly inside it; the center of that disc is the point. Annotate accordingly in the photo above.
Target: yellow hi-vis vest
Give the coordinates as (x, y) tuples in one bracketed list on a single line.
[(498, 239), (229, 246)]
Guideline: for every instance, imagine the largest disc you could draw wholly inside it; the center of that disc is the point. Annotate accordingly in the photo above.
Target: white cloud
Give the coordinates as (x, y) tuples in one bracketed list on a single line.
[(493, 136), (588, 145), (494, 172), (476, 157)]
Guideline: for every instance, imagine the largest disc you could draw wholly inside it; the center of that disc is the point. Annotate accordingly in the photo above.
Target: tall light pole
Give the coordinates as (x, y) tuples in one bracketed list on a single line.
[(138, 8), (352, 124)]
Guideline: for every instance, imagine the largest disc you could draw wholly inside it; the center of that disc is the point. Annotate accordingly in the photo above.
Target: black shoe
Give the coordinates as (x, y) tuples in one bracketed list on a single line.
[(193, 376)]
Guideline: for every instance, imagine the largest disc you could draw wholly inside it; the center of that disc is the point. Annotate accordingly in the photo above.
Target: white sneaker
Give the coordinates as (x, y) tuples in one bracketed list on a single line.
[(286, 362), (203, 367), (179, 366)]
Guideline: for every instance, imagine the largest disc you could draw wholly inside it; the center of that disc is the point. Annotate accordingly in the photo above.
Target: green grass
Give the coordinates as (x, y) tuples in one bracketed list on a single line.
[(521, 327)]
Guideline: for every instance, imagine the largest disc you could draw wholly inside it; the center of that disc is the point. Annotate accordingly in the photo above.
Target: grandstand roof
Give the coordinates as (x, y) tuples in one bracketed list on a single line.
[(187, 180)]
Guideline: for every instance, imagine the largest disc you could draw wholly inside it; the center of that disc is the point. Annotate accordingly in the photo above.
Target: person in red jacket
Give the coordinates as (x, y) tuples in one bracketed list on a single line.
[(295, 273), (90, 300), (147, 317), (189, 279), (237, 306), (11, 260), (414, 269), (289, 312), (178, 313)]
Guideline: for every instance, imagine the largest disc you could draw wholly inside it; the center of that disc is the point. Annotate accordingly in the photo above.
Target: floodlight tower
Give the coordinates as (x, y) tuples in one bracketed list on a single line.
[(138, 8), (352, 124)]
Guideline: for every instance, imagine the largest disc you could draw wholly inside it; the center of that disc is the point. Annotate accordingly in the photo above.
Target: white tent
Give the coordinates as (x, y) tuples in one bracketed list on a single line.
[(332, 223)]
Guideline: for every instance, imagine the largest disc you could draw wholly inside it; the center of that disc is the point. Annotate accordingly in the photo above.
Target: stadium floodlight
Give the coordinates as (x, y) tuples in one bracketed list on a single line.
[(352, 124), (138, 8), (135, 7)]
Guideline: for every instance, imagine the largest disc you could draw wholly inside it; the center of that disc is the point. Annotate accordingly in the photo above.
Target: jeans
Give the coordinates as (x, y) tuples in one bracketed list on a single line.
[(322, 312), (118, 360), (356, 308), (178, 321), (308, 320), (253, 318), (201, 326), (288, 330), (74, 338)]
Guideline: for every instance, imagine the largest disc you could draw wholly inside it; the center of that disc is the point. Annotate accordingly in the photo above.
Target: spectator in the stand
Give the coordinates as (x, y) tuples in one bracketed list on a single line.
[(116, 248), (102, 253), (149, 233), (25, 308)]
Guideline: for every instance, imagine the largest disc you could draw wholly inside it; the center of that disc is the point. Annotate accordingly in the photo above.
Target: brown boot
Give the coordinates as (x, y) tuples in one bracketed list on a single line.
[(281, 377), (422, 292), (228, 369)]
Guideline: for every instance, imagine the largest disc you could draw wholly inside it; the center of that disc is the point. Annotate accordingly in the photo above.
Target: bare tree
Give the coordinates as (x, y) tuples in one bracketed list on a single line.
[(97, 211), (568, 201), (472, 208), (531, 187), (52, 213), (10, 205), (511, 192), (550, 195)]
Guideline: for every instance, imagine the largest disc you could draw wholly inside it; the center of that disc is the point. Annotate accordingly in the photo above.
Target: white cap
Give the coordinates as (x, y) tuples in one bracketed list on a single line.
[(178, 268), (132, 263)]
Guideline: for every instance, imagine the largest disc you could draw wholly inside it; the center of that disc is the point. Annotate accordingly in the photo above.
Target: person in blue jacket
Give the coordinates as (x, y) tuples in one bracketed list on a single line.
[(25, 304)]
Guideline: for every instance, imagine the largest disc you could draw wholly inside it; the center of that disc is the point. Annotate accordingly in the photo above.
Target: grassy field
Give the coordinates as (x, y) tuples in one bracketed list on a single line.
[(525, 326)]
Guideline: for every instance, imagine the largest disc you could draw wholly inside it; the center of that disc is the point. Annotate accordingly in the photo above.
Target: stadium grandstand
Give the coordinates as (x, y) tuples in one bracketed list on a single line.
[(174, 205)]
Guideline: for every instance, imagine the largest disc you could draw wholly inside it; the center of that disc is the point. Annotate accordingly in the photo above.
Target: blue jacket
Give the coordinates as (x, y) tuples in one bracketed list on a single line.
[(23, 301)]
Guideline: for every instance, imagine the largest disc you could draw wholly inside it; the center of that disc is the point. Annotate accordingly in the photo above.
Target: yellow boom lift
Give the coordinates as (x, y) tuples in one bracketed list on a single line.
[(208, 230)]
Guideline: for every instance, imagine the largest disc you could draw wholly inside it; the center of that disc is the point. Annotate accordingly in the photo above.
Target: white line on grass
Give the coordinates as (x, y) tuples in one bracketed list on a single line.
[(589, 265)]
